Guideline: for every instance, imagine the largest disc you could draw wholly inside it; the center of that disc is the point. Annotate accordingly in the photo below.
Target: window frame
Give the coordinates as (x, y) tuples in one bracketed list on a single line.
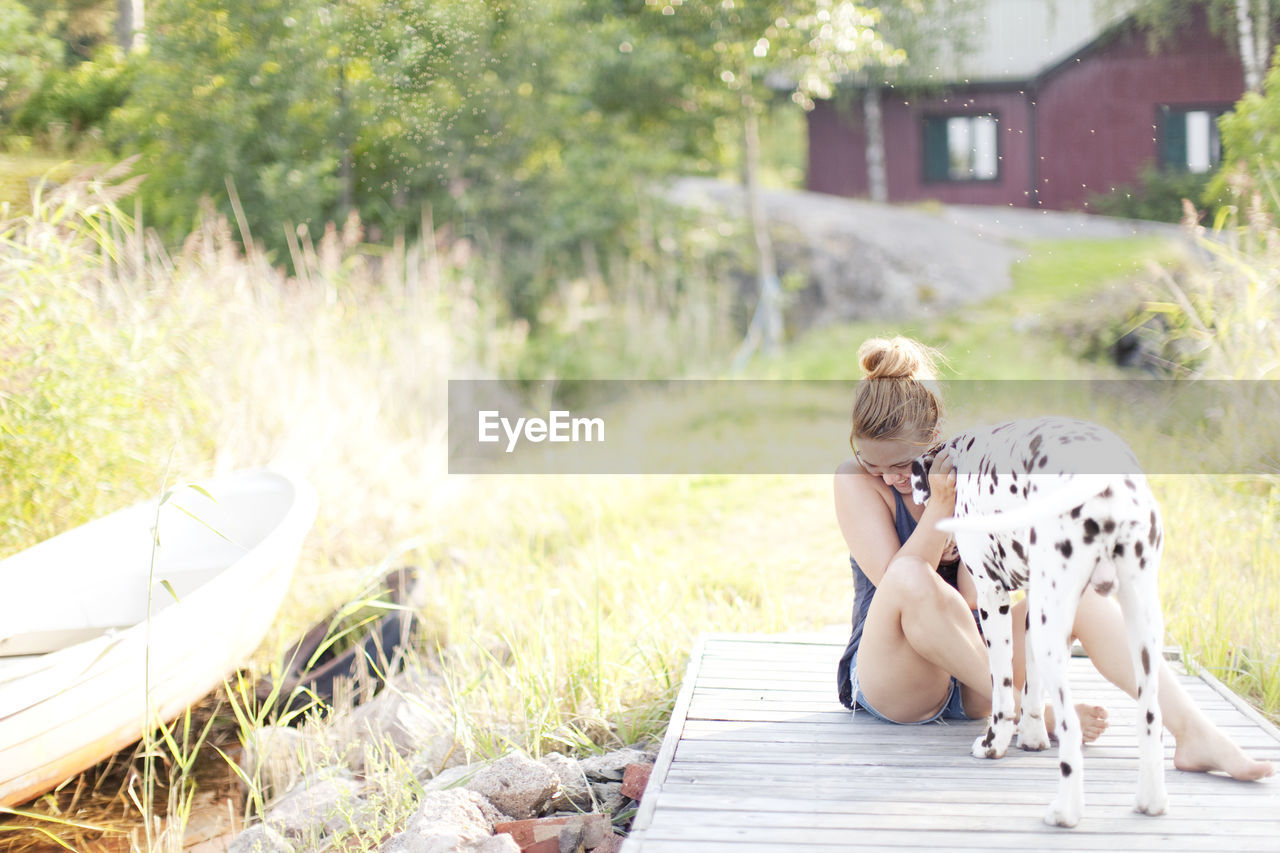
[(929, 139), (1164, 114)]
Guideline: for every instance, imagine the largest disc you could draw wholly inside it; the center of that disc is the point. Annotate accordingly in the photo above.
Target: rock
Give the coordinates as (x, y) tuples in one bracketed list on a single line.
[(610, 797), (517, 785), (575, 791), (272, 759), (260, 838), (315, 807), (611, 766), (453, 820), (453, 777)]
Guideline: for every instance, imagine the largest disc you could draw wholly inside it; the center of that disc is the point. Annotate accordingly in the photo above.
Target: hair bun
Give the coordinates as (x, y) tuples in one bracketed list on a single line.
[(896, 358)]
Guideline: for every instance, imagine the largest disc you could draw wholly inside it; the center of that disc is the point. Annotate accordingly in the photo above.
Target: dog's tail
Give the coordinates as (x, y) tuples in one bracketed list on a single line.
[(1072, 494)]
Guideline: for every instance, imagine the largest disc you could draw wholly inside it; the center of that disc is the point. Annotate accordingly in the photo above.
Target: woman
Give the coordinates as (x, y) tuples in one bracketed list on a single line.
[(916, 654)]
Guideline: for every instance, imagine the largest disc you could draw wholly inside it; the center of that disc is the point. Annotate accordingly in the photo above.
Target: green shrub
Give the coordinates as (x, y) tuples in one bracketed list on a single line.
[(80, 97), (1157, 197)]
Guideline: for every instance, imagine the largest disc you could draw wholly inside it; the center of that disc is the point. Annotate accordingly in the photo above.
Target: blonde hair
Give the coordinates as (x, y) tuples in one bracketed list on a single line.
[(898, 397)]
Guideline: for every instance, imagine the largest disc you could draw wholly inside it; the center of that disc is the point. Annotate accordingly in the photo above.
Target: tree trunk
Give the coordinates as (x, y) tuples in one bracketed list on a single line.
[(873, 126), (1249, 58), (130, 23), (766, 324), (1263, 35)]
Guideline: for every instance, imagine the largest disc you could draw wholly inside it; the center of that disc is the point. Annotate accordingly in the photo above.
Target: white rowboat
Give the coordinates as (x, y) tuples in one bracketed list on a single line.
[(104, 633)]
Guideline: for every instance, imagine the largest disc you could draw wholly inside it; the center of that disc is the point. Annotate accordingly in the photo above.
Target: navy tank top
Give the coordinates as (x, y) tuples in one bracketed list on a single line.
[(864, 590)]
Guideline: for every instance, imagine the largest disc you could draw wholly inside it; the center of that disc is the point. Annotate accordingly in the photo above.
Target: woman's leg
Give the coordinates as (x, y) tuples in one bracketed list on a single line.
[(1199, 744), (919, 632)]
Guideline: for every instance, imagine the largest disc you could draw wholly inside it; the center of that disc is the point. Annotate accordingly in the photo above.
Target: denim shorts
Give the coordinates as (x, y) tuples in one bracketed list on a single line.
[(952, 709)]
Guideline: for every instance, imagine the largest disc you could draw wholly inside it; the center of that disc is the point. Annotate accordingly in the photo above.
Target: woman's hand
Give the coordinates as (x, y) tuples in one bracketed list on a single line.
[(942, 486)]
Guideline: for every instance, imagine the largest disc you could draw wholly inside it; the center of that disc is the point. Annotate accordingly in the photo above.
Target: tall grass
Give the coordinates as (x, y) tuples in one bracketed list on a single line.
[(119, 354)]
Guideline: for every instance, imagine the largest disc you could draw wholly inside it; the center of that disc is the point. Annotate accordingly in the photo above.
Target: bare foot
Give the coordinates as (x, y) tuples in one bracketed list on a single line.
[(1093, 720), (1204, 748)]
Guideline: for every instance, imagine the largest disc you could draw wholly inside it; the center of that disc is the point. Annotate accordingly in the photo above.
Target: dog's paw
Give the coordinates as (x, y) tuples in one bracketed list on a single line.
[(1062, 815), (989, 746), (1032, 734), (1152, 799)]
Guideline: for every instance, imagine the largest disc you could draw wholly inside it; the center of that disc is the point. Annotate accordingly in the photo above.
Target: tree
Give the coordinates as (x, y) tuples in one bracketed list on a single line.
[(922, 30), (1247, 24), (25, 55), (733, 51)]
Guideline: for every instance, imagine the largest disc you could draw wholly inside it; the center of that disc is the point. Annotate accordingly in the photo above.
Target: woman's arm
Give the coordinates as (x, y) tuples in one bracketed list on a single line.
[(868, 525)]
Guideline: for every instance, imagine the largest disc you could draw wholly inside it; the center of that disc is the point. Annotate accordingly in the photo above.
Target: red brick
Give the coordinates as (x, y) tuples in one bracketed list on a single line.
[(535, 834), (612, 843), (634, 780)]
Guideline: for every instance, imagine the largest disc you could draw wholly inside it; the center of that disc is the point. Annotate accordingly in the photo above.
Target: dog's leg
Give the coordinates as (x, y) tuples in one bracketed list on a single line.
[(1032, 734), (1052, 599), (1139, 596), (997, 629)]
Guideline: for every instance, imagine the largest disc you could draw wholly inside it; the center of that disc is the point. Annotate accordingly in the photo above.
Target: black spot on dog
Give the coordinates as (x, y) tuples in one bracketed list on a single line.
[(1108, 526), (1000, 550), (1129, 484), (1008, 682), (1118, 551), (1146, 661), (1091, 530), (1066, 769), (1062, 696), (983, 615), (1013, 488), (1155, 528), (1044, 618), (1004, 609), (1075, 513), (1151, 718), (1032, 538), (1137, 549), (995, 478), (1107, 492), (1043, 461), (1065, 547), (969, 446)]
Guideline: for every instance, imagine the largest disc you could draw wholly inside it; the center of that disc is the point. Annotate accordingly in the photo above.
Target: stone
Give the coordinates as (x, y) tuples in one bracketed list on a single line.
[(272, 759), (516, 785), (610, 797), (575, 791), (260, 838), (611, 766), (316, 807), (452, 821)]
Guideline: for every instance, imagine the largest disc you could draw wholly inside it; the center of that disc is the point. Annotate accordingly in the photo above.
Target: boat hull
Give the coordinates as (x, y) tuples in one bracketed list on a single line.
[(207, 593)]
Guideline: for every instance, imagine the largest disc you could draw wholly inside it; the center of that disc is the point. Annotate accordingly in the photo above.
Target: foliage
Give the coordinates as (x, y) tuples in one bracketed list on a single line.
[(81, 26), (1158, 195), (79, 386), (1251, 148), (25, 55), (80, 97)]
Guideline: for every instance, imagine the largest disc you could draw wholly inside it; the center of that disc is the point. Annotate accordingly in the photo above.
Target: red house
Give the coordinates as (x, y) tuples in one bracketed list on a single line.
[(1056, 102)]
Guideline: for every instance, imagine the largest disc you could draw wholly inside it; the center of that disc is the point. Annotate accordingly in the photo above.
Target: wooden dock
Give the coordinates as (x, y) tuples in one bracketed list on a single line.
[(760, 756)]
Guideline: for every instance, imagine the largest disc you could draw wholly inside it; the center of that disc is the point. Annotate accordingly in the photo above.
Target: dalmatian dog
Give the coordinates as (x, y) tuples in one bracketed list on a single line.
[(1056, 505)]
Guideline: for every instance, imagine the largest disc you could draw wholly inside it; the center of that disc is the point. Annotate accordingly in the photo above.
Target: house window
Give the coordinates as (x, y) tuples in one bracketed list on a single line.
[(1189, 140), (961, 148)]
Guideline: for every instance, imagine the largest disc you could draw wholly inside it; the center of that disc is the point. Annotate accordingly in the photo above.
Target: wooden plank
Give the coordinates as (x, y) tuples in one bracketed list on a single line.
[(760, 757)]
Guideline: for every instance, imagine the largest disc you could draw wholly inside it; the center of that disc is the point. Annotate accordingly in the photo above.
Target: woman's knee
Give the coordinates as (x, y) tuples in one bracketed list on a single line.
[(910, 579)]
